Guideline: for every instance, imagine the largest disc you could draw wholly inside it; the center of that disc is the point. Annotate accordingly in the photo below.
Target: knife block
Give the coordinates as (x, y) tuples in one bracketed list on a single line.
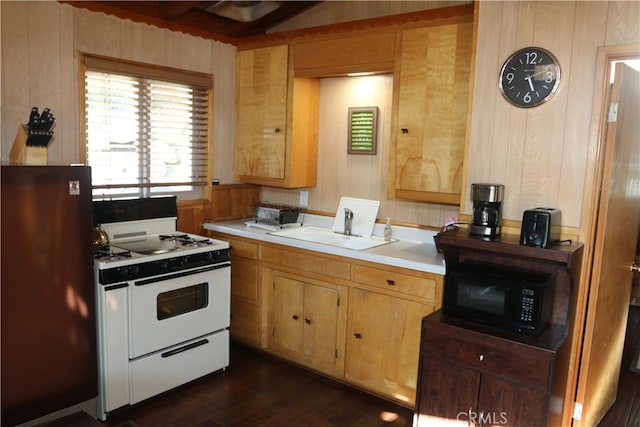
[(29, 148)]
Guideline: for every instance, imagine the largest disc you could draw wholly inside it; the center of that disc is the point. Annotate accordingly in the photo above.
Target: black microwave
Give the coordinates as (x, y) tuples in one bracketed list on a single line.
[(515, 300)]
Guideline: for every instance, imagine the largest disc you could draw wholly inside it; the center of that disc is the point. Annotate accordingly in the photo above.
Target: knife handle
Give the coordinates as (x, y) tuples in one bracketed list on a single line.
[(33, 117)]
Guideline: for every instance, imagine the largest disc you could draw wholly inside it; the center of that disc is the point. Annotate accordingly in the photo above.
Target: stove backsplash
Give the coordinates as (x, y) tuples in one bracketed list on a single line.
[(121, 210)]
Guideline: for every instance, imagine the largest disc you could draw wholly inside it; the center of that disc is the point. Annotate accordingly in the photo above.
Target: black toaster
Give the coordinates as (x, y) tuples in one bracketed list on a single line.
[(540, 227)]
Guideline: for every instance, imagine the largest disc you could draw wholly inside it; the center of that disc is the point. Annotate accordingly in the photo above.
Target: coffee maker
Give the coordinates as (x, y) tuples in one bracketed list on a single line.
[(487, 209)]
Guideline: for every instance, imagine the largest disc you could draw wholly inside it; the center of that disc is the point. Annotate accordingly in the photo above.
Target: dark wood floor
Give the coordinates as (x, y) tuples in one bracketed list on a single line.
[(625, 412), (257, 390)]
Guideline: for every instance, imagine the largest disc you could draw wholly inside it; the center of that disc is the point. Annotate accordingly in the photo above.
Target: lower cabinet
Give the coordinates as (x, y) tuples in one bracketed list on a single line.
[(246, 303), (383, 343), (479, 379), (454, 392), (307, 321), (352, 320)]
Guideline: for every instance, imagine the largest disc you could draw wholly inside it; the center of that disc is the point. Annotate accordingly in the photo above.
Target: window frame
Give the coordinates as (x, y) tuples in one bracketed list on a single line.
[(148, 71)]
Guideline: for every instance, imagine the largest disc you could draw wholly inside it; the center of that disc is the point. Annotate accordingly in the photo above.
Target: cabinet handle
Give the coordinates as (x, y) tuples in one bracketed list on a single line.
[(404, 130), (391, 282), (358, 336), (295, 317), (307, 321), (481, 357)]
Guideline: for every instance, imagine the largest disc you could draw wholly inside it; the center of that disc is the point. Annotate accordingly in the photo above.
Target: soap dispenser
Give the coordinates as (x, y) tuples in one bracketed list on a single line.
[(387, 230)]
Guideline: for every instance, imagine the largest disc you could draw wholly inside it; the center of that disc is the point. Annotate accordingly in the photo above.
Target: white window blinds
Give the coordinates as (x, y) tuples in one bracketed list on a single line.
[(147, 129)]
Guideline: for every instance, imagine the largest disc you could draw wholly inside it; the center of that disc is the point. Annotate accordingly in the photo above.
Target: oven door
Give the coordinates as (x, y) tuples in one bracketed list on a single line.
[(174, 308)]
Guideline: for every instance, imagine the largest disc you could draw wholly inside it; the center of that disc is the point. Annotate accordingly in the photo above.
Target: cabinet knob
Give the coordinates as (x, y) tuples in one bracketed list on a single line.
[(295, 317), (277, 130), (404, 130), (391, 282), (358, 336), (481, 357), (307, 321)]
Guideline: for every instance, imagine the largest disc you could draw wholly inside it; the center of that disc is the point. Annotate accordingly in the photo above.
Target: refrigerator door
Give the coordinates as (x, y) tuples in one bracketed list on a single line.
[(48, 331)]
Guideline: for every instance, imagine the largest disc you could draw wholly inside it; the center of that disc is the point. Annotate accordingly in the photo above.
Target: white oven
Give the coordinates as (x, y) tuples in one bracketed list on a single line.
[(170, 309), (163, 303)]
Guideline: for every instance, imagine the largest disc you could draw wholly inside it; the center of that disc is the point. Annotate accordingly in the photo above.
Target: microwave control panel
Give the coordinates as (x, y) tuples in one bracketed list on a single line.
[(527, 305)]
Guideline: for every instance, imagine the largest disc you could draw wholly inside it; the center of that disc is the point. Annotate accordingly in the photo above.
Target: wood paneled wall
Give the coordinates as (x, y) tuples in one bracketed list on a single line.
[(40, 45), (540, 154)]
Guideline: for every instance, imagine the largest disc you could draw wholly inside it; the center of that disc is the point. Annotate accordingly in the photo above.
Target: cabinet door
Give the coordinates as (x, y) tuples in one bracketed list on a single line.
[(261, 112), (305, 322), (447, 392), (506, 403), (383, 343), (288, 314), (320, 325), (430, 126), (244, 300)]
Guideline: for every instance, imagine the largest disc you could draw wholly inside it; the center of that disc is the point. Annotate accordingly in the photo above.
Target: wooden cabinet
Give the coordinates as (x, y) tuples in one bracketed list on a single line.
[(429, 119), (386, 308), (306, 322), (480, 375), (383, 343), (276, 120), (353, 320), (471, 375), (246, 307)]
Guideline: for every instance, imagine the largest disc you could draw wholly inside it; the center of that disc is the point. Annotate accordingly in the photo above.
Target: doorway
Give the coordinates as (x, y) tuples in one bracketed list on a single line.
[(604, 300)]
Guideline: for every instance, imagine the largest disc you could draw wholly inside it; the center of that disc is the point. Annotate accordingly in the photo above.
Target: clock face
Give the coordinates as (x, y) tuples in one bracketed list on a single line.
[(530, 77)]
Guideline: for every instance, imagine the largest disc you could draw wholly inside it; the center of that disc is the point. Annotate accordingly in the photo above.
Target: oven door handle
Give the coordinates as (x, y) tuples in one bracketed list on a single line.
[(181, 274), (184, 348)]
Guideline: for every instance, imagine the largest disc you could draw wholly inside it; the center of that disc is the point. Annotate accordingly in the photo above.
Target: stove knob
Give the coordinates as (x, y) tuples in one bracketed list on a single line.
[(134, 270), (184, 261), (163, 265)]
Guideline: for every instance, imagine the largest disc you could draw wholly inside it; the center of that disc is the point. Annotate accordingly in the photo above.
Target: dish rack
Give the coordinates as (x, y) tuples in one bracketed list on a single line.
[(277, 214)]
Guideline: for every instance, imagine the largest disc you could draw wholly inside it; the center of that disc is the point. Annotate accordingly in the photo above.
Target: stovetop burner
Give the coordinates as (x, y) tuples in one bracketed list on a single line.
[(186, 240), (107, 253)]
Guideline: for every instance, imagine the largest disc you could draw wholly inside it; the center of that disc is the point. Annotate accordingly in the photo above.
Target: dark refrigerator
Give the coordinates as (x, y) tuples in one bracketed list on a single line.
[(48, 323)]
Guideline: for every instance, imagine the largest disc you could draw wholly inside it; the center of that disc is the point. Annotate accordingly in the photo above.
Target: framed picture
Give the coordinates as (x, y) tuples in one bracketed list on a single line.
[(363, 124)]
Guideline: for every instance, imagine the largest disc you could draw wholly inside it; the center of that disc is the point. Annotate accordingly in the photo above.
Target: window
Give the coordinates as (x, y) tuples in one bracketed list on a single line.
[(146, 129)]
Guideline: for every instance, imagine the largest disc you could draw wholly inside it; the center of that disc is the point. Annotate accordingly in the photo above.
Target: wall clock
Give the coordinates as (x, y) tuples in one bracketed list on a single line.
[(530, 77)]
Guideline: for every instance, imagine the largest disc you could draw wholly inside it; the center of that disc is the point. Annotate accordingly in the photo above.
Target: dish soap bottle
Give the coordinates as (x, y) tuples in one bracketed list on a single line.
[(387, 230)]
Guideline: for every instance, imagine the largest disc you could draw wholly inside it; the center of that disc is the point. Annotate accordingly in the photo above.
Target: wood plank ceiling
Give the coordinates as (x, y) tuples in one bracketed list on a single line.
[(223, 20)]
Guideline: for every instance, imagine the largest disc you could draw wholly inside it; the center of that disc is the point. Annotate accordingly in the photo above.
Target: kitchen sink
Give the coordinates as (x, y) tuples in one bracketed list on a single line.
[(327, 236)]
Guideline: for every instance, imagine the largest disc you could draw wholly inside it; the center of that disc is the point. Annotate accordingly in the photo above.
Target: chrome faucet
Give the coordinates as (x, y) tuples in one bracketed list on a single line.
[(348, 220)]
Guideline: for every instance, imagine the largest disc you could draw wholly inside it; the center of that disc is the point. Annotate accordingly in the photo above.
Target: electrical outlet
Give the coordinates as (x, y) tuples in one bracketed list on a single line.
[(304, 198)]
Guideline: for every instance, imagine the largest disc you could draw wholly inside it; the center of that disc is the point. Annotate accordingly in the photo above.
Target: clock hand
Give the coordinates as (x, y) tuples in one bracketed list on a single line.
[(528, 78), (544, 70)]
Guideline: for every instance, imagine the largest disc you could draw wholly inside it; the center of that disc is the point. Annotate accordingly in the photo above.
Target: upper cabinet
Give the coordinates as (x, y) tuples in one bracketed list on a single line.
[(277, 121), (429, 118), (429, 54)]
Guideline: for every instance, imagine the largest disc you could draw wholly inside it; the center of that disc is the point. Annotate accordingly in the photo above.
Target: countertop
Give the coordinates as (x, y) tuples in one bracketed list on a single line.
[(411, 248)]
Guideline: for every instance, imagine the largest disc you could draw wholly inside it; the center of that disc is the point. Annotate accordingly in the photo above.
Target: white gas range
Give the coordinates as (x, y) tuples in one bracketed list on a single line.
[(163, 302)]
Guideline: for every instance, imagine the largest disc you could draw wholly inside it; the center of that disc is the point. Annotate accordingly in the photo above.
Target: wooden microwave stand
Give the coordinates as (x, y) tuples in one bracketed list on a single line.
[(479, 375)]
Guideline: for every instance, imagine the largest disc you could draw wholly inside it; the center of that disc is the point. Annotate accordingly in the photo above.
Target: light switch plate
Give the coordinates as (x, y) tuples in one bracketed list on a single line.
[(304, 198)]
